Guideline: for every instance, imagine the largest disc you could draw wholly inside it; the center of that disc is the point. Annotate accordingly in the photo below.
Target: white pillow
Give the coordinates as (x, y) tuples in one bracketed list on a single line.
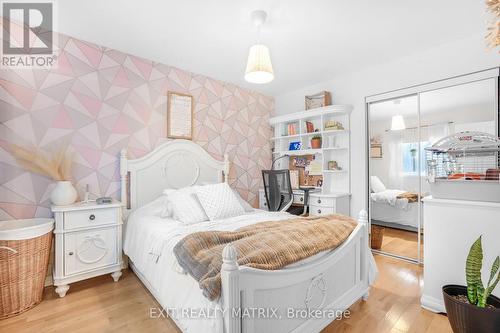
[(376, 184), (219, 201), (186, 207), (167, 205), (246, 206)]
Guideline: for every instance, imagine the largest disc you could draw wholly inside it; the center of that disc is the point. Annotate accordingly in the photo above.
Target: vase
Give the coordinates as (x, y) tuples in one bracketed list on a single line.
[(63, 194)]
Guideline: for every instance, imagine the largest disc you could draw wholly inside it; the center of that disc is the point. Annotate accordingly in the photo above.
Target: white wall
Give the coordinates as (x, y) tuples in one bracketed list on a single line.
[(452, 59)]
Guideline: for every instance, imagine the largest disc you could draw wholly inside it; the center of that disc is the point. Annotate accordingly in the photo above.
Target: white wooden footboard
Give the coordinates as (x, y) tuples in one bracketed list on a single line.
[(298, 299)]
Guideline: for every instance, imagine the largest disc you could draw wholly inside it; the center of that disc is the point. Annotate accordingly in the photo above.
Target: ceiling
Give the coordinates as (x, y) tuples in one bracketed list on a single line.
[(471, 97), (310, 41)]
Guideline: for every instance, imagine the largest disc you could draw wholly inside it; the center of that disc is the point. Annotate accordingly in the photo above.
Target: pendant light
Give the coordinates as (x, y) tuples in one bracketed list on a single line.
[(259, 67), (398, 123)]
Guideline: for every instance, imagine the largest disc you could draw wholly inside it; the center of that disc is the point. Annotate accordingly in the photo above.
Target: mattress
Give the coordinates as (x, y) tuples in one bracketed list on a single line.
[(149, 242), (394, 214)]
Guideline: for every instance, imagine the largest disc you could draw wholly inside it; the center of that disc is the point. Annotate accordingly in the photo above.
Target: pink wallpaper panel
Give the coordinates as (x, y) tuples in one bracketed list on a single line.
[(99, 100)]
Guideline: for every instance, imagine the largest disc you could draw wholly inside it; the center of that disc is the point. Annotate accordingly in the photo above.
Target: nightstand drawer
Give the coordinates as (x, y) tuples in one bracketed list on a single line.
[(320, 210), (298, 199), (86, 250), (89, 218), (322, 201)]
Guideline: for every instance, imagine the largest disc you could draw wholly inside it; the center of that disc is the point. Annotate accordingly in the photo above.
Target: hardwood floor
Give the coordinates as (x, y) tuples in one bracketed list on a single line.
[(99, 305), (401, 242)]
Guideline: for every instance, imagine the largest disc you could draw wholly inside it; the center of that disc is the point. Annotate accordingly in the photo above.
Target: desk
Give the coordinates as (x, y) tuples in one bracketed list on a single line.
[(319, 203)]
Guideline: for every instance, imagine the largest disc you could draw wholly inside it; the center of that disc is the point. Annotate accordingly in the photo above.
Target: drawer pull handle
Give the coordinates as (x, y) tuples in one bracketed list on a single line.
[(92, 217), (319, 200), (319, 211), (301, 199), (71, 253)]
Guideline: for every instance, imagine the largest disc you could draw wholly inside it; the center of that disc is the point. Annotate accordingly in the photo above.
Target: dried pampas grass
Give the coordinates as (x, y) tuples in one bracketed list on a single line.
[(493, 35), (56, 165)]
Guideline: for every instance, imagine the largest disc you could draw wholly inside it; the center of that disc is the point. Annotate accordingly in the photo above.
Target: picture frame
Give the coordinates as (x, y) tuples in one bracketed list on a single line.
[(376, 150), (180, 111), (318, 100)]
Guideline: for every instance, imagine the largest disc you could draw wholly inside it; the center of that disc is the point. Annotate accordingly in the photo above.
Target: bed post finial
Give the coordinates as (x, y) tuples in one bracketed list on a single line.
[(123, 177), (363, 217), (230, 289), (226, 168)]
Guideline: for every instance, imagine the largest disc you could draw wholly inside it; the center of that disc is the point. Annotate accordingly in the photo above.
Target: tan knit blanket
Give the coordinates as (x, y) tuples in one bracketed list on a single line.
[(411, 196), (266, 245)]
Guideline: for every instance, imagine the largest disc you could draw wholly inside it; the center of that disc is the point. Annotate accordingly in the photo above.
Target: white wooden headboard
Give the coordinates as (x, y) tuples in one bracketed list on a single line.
[(174, 164)]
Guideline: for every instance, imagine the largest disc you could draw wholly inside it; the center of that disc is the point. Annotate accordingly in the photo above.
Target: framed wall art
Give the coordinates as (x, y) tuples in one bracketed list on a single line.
[(179, 116)]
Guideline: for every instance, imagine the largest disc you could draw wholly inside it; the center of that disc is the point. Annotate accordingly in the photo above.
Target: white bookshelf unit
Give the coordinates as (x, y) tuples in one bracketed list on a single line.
[(335, 145)]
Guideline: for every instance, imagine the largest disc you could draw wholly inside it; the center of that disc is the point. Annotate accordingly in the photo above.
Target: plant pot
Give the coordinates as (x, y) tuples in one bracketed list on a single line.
[(63, 194), (315, 143), (468, 318)]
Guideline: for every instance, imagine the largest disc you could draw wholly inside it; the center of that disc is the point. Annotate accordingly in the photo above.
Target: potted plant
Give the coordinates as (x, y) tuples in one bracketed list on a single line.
[(473, 309), (316, 142), (56, 166)]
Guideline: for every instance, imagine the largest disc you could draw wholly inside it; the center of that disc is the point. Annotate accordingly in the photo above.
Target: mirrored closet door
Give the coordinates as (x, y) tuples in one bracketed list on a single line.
[(399, 130), (395, 167)]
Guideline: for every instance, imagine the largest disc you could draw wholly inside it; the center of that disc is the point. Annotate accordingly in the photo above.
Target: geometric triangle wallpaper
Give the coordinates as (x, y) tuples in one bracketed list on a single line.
[(98, 101)]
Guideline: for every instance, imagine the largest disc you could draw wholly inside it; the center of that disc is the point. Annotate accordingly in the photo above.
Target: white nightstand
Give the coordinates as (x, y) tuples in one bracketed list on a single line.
[(88, 242), (329, 203)]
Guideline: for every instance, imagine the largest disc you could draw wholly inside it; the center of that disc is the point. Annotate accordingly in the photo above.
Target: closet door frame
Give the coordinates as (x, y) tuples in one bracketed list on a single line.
[(493, 73)]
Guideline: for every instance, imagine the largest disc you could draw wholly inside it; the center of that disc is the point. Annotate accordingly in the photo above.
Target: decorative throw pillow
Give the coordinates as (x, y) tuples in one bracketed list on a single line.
[(376, 184), (186, 207), (219, 201), (246, 206)]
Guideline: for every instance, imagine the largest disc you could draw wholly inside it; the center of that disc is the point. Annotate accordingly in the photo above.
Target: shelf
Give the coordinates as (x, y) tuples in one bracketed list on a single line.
[(329, 132), (334, 171), (286, 137), (336, 148), (335, 132), (332, 110), (299, 152)]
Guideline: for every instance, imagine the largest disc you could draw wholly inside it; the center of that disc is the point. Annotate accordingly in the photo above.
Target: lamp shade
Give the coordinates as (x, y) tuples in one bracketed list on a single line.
[(398, 123), (259, 68)]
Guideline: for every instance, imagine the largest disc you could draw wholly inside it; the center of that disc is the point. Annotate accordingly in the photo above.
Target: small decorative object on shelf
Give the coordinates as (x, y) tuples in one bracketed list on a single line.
[(474, 308), (318, 100), (333, 125), (296, 145), (333, 165), (309, 127), (292, 129), (316, 142)]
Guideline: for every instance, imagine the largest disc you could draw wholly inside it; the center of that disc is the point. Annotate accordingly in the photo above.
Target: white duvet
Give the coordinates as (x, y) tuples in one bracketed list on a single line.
[(149, 242)]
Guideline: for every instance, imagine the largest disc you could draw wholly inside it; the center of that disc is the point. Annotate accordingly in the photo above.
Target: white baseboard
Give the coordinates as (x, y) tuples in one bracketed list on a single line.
[(432, 304)]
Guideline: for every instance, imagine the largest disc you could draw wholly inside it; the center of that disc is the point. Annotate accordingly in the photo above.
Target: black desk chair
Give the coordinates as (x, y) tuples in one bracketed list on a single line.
[(278, 189)]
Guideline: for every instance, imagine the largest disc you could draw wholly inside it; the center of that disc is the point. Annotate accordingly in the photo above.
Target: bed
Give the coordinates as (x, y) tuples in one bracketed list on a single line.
[(329, 282), (386, 209)]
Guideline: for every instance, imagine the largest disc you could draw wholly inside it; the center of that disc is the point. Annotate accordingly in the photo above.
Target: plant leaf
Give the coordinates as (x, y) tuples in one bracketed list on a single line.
[(491, 287), (473, 270), (494, 270)]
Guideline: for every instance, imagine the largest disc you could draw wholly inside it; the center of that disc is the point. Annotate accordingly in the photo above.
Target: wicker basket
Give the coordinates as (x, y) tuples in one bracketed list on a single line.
[(22, 274), (377, 237)]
